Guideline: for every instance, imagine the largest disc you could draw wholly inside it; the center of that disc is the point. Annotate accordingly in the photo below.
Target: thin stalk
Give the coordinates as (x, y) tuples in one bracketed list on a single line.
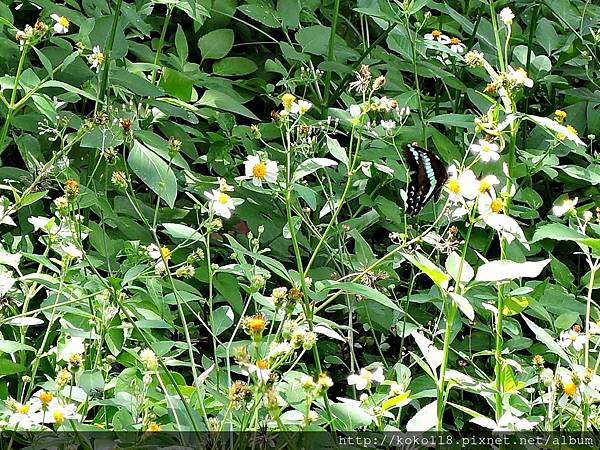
[(107, 52), (588, 307), (13, 98), (501, 60), (334, 23), (161, 41)]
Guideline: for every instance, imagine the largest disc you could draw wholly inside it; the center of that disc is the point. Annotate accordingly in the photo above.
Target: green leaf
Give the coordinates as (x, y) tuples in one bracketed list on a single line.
[(437, 275), (12, 347), (515, 304), (90, 381), (289, 10), (181, 44), (314, 39), (134, 83), (262, 13), (557, 232), (216, 44), (220, 100), (154, 172), (7, 367), (348, 417), (182, 232), (463, 304), (222, 319), (547, 340), (566, 320), (337, 151), (362, 290), (311, 165), (234, 66), (177, 84)]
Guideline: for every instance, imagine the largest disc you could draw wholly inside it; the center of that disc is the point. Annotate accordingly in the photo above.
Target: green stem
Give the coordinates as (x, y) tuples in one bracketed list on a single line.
[(588, 307), (108, 52), (161, 41), (13, 98), (497, 36), (334, 22)]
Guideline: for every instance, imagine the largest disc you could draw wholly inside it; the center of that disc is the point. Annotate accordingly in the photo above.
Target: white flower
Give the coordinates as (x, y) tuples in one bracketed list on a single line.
[(507, 16), (96, 58), (260, 369), (5, 214), (491, 211), (153, 251), (437, 35), (58, 413), (487, 151), (486, 185), (24, 416), (547, 377), (220, 202), (72, 251), (355, 111), (588, 215), (595, 327), (364, 379), (457, 46), (6, 281), (260, 171), (396, 389), (387, 125), (62, 24), (461, 186), (73, 346), (300, 107), (566, 206), (572, 338), (386, 104), (279, 348), (519, 77)]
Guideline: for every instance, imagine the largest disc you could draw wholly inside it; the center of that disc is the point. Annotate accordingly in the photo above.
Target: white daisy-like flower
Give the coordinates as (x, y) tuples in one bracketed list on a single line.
[(437, 35), (260, 171), (566, 206), (153, 251), (220, 202), (571, 338), (24, 416), (62, 24), (487, 151), (364, 379), (519, 77), (260, 369), (96, 58), (457, 46), (388, 125), (507, 16), (58, 413), (486, 185), (73, 346), (491, 211), (72, 251), (300, 107), (279, 348), (461, 186)]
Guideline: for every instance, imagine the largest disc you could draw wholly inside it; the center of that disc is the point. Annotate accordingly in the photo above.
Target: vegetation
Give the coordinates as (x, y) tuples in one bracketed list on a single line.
[(204, 225)]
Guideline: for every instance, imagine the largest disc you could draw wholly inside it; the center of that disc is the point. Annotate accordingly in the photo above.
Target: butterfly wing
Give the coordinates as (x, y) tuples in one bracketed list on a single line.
[(427, 177)]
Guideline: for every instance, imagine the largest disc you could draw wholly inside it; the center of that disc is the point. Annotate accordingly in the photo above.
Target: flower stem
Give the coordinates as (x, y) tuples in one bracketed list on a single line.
[(334, 22), (588, 308), (13, 99), (161, 41), (107, 52)]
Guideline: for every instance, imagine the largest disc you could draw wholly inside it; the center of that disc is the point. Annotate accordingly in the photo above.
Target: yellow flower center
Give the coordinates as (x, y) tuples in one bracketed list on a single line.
[(259, 170), (436, 33), (100, 57), (165, 252), (454, 186), (484, 186), (23, 409), (59, 417), (46, 397), (287, 100), (154, 427), (497, 205), (560, 115), (223, 198), (256, 324), (64, 21), (486, 147), (570, 389), (262, 364), (572, 129), (455, 41)]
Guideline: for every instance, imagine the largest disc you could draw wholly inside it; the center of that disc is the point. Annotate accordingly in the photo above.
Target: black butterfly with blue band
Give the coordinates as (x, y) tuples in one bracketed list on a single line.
[(427, 177)]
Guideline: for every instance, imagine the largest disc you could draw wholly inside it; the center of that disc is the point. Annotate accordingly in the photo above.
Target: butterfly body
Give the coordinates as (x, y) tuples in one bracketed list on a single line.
[(427, 177)]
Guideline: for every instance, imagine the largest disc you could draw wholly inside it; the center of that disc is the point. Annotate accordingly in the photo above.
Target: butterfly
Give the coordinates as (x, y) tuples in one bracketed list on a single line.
[(427, 177)]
